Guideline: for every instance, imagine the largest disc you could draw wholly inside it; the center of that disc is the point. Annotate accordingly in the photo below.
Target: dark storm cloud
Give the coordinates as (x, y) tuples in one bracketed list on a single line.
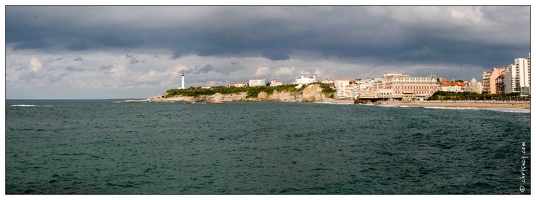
[(77, 47), (468, 35)]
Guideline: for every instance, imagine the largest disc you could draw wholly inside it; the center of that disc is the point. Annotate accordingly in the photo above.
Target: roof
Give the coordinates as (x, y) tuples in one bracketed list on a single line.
[(456, 83)]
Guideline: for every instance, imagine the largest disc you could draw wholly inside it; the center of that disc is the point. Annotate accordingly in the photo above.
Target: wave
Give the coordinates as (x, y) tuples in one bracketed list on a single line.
[(388, 105), (24, 105), (29, 105)]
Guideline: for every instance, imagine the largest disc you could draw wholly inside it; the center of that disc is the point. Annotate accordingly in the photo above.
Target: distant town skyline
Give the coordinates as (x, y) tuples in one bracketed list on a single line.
[(99, 52)]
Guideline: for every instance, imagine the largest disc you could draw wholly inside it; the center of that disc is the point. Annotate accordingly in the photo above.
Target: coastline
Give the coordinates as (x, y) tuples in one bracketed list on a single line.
[(518, 105)]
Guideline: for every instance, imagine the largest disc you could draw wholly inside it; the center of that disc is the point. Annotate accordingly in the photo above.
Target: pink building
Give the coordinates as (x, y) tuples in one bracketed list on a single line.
[(494, 74)]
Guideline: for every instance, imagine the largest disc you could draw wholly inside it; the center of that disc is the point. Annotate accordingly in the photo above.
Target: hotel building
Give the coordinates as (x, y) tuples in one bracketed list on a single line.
[(406, 87)]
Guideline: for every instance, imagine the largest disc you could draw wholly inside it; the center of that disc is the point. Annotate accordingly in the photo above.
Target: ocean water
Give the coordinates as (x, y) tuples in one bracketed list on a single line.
[(106, 147)]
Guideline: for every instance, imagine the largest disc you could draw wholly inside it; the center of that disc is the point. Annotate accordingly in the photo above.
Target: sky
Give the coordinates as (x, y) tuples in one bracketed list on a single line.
[(115, 52)]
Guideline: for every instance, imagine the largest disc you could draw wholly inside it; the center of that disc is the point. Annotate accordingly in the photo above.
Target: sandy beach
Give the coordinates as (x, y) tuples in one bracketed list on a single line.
[(522, 105)]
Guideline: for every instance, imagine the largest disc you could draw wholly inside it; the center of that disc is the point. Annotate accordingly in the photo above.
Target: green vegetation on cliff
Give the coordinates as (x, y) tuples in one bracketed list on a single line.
[(250, 91)]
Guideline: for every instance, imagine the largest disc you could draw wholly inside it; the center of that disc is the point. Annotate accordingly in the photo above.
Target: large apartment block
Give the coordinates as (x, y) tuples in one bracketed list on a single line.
[(489, 80)]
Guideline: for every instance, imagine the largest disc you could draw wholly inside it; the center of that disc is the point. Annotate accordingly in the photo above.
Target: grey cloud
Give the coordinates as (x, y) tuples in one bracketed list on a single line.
[(22, 68), (133, 59), (74, 69), (58, 58), (234, 63), (78, 59), (48, 77), (106, 67), (198, 70)]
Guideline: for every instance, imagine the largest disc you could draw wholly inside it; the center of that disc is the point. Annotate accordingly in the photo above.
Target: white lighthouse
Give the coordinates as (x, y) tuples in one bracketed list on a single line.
[(182, 80)]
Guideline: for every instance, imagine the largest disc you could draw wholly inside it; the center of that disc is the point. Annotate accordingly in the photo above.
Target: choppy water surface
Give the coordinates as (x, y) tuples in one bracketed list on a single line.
[(105, 147)]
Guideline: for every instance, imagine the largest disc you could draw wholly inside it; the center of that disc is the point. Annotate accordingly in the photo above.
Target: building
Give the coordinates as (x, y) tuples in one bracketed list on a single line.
[(238, 84), (348, 90), (366, 87), (489, 78), (521, 65), (340, 87), (327, 81), (444, 84), (499, 84), (406, 87), (528, 67), (457, 86), (276, 82), (516, 78), (474, 86), (206, 87), (485, 82), (257, 82), (305, 80), (507, 79)]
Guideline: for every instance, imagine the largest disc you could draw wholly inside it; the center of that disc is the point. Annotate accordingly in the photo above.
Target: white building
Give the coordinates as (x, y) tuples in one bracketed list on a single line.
[(276, 82), (517, 76), (238, 84), (257, 82), (305, 80), (366, 87), (340, 87), (474, 86)]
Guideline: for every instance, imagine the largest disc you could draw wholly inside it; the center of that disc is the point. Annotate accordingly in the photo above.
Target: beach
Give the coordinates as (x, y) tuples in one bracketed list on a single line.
[(480, 104)]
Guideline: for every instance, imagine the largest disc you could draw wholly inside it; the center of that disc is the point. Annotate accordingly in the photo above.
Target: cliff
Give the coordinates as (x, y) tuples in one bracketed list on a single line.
[(311, 93)]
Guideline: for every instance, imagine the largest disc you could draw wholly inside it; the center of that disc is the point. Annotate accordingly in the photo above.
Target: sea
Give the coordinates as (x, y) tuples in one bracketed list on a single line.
[(108, 147)]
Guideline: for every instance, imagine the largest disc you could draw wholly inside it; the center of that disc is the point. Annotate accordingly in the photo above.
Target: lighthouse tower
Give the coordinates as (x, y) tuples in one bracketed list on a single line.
[(182, 81)]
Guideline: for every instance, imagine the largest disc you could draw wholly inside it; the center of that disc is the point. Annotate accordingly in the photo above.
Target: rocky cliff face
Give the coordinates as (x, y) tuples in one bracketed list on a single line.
[(311, 93)]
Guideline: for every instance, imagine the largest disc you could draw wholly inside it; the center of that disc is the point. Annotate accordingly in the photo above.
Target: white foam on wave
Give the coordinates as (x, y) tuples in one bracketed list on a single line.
[(388, 105), (23, 105), (30, 105)]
